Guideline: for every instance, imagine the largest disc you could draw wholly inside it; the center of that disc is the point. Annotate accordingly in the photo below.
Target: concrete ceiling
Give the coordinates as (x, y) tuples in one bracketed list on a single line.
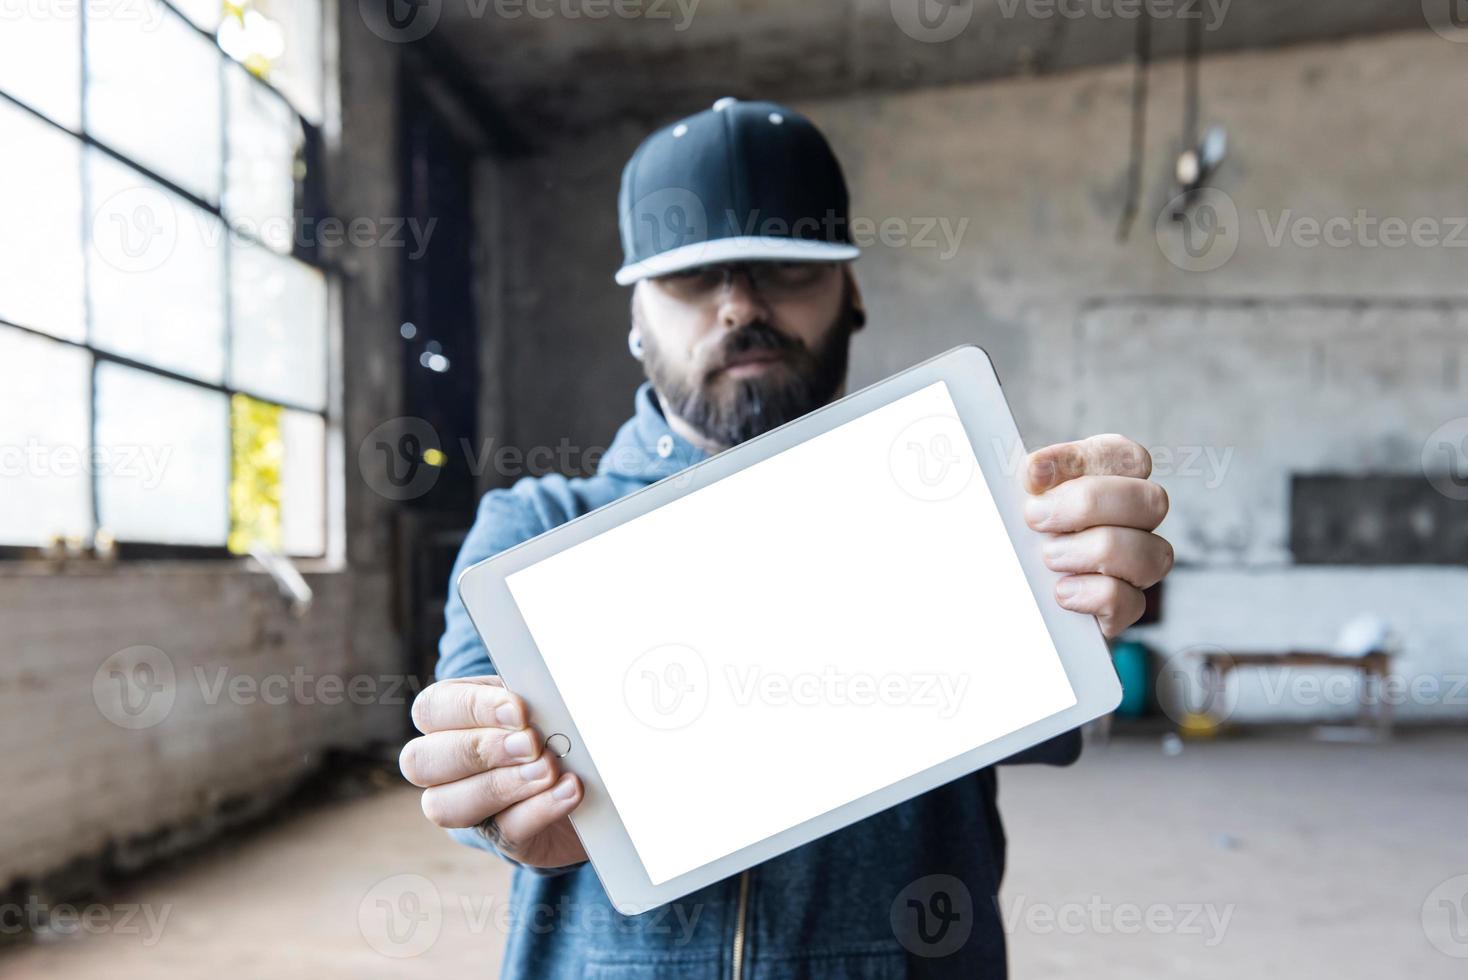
[(539, 69)]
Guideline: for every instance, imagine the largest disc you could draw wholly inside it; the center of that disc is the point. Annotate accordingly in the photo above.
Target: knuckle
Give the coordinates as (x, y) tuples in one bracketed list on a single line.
[(482, 750), (1110, 592)]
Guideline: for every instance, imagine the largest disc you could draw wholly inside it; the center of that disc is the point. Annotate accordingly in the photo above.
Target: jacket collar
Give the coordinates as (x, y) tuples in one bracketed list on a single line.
[(646, 448)]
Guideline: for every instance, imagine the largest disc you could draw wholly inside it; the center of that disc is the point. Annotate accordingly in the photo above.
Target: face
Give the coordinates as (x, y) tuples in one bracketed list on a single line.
[(737, 350)]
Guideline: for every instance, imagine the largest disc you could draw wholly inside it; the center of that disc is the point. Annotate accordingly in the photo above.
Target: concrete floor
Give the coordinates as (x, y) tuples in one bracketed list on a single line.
[(1262, 857)]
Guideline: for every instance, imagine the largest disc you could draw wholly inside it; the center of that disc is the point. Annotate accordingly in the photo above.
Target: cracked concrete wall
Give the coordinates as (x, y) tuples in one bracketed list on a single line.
[(1319, 338)]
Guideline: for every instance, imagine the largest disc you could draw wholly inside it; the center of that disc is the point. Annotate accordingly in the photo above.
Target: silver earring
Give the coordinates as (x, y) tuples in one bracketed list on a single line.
[(634, 345)]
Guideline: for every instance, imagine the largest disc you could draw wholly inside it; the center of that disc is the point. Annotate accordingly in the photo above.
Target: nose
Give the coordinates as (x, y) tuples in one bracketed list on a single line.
[(739, 302)]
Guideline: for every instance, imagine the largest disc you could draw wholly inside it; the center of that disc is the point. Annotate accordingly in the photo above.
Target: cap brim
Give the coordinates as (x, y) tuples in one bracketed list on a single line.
[(742, 249)]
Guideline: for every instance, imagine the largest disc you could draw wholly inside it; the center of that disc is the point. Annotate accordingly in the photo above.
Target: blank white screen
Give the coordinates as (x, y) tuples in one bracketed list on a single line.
[(798, 635)]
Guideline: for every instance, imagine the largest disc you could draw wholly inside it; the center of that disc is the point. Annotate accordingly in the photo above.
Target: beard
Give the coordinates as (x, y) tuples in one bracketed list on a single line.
[(728, 410)]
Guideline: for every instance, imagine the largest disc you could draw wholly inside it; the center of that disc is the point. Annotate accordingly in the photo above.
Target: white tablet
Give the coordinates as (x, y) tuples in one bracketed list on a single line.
[(795, 634)]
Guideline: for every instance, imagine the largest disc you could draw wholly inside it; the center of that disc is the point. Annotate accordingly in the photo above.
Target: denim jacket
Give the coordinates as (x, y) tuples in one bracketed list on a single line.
[(909, 892)]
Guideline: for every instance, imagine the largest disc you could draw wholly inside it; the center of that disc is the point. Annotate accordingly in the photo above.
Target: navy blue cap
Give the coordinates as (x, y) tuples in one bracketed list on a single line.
[(743, 181)]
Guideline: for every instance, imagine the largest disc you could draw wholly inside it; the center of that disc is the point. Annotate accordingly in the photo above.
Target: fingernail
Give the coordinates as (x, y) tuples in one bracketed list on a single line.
[(532, 771), (508, 714), (1037, 511), (518, 745), (1067, 588), (1054, 548), (565, 789)]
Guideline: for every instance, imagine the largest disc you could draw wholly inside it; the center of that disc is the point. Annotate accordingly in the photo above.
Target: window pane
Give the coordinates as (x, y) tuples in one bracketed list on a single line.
[(277, 327), (280, 40), (204, 13), (277, 486), (40, 59), (265, 139), (153, 95), (303, 483), (157, 272), (44, 459), (254, 485), (175, 438), (40, 225)]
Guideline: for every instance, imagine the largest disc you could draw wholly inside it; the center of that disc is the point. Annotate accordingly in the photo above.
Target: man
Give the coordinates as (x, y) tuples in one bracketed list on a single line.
[(743, 306)]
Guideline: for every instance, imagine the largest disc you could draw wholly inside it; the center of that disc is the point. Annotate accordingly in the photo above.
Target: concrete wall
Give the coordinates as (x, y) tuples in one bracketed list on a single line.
[(256, 696), (1288, 357)]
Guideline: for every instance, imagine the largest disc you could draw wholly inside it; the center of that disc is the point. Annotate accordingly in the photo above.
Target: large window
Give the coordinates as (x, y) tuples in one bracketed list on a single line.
[(163, 321)]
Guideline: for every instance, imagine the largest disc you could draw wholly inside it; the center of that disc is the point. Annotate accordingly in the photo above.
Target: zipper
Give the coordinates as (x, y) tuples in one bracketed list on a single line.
[(738, 966)]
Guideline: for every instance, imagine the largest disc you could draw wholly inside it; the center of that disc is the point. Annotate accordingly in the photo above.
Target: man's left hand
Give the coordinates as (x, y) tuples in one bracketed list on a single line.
[(1098, 509)]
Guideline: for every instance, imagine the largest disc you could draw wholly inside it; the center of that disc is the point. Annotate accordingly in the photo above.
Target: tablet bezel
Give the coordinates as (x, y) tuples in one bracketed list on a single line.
[(983, 410)]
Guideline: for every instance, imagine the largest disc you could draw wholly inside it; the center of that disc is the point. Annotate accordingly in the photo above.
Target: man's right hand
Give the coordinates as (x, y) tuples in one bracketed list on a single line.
[(481, 765)]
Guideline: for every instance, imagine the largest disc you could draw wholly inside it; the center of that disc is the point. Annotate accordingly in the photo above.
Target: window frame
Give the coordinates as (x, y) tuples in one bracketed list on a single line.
[(311, 202)]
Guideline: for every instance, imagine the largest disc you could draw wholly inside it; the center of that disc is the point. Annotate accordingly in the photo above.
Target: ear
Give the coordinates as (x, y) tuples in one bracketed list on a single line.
[(858, 306), (634, 333)]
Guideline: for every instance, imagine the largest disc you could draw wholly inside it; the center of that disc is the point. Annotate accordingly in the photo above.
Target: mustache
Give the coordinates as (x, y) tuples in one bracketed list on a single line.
[(755, 336)]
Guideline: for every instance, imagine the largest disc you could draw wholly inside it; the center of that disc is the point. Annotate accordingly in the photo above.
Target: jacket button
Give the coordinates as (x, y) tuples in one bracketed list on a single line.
[(665, 445)]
